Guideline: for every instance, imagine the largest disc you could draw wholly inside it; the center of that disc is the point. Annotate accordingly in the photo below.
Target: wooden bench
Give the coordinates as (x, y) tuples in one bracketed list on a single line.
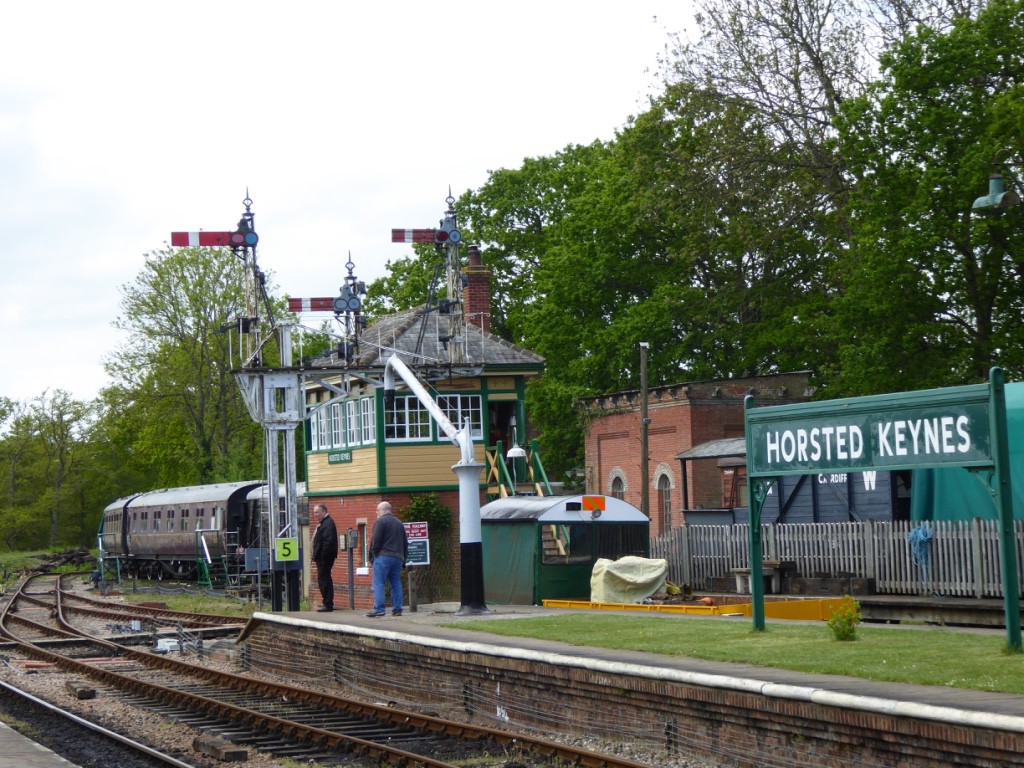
[(773, 569)]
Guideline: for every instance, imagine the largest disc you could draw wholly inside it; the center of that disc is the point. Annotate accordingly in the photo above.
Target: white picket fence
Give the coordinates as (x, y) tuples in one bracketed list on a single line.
[(961, 559)]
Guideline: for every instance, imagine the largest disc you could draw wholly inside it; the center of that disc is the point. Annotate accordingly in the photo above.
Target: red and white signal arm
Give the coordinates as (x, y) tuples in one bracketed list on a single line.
[(320, 304), (413, 235), (239, 239), (426, 236), (206, 239)]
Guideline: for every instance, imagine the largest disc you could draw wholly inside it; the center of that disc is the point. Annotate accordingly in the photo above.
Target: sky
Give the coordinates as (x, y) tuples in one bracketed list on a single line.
[(121, 122)]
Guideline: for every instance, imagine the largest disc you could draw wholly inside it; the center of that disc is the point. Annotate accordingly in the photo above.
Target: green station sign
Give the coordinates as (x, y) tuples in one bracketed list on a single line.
[(339, 457), (953, 427), (907, 430)]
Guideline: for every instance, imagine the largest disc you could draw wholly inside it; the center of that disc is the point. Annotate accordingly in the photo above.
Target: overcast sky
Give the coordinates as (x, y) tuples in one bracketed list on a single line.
[(123, 121)]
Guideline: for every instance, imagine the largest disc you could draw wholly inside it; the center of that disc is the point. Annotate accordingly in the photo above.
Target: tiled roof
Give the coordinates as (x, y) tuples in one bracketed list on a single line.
[(401, 333)]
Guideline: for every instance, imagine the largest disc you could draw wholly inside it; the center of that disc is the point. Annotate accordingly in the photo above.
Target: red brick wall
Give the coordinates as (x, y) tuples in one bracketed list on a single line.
[(734, 727), (346, 511), (681, 417)]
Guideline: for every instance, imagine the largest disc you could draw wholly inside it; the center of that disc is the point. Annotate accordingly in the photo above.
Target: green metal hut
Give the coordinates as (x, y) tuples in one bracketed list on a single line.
[(539, 548)]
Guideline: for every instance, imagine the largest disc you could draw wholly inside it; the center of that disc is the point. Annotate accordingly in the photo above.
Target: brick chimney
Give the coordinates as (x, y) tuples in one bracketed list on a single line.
[(476, 295)]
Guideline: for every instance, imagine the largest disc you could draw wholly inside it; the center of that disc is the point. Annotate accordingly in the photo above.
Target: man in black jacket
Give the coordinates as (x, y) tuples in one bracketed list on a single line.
[(325, 552), (389, 551)]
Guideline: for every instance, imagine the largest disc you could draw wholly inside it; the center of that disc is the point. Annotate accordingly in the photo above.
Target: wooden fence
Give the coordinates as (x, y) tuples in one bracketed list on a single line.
[(955, 558)]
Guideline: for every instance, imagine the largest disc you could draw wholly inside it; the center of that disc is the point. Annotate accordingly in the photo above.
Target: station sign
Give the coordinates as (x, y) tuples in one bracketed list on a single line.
[(947, 427)]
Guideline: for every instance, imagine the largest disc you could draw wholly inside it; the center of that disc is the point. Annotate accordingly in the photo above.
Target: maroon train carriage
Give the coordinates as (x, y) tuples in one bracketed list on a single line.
[(163, 534)]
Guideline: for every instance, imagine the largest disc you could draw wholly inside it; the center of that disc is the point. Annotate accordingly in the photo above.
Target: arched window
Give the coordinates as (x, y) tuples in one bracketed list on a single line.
[(618, 490), (665, 500)]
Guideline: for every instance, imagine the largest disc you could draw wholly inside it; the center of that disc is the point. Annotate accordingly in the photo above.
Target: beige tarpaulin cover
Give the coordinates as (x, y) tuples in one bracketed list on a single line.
[(627, 580)]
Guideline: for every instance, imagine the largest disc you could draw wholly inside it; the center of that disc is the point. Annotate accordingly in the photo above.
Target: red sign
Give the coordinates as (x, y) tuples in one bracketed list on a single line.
[(416, 530), (593, 503)]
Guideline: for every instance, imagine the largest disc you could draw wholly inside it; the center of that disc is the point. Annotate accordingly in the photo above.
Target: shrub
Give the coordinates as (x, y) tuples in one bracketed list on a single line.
[(845, 619)]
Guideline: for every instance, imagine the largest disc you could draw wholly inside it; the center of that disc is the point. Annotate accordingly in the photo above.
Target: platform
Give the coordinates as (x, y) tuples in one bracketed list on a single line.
[(672, 698), (17, 751)]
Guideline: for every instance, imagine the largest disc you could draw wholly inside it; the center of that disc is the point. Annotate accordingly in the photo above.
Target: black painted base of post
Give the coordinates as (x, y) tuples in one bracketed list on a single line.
[(472, 579)]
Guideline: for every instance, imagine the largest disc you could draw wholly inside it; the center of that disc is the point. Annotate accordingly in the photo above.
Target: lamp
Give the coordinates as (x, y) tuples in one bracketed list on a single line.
[(997, 196), (515, 452)]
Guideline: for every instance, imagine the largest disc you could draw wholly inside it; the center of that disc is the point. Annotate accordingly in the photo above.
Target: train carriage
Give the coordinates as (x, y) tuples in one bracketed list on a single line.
[(173, 532), (168, 532)]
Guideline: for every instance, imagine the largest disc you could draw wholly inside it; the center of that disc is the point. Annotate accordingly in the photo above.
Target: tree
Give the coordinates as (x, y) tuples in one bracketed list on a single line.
[(931, 295), (686, 232), (60, 423), (19, 450), (173, 373)]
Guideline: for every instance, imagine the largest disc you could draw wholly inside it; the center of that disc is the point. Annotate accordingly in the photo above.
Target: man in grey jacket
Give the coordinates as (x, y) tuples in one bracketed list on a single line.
[(389, 550)]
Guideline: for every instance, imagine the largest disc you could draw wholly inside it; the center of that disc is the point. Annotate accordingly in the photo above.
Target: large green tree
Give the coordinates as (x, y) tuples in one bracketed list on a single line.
[(175, 399), (52, 489), (931, 293)]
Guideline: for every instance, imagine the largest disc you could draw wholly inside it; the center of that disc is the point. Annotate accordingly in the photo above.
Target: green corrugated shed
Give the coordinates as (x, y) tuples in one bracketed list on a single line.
[(539, 548), (956, 494)]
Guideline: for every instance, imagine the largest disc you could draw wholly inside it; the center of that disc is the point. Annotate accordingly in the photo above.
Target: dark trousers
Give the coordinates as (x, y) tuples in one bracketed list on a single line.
[(326, 584)]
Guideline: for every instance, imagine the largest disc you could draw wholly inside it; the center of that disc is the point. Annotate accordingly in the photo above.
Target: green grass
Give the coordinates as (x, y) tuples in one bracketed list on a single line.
[(921, 656), (198, 603), (13, 563)]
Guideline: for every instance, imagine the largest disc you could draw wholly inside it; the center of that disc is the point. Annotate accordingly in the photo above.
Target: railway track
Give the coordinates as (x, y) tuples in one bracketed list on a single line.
[(284, 720), (79, 740)]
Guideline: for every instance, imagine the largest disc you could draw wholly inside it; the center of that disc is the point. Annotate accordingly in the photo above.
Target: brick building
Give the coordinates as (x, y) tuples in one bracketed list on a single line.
[(361, 449), (681, 416)]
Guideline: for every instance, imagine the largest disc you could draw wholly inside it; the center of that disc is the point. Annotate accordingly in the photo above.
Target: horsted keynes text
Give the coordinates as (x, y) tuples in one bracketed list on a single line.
[(954, 434)]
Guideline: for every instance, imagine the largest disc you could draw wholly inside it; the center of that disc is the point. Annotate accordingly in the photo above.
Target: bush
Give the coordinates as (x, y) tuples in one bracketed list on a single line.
[(845, 619)]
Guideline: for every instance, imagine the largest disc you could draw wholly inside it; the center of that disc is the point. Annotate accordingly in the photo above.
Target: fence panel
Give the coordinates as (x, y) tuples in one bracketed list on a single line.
[(961, 558)]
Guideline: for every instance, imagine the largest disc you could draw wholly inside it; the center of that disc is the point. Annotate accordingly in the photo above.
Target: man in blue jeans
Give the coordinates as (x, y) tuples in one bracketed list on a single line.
[(389, 549)]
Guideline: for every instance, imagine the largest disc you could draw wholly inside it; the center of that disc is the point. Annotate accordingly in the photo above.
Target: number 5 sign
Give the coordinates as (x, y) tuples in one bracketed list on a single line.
[(286, 549)]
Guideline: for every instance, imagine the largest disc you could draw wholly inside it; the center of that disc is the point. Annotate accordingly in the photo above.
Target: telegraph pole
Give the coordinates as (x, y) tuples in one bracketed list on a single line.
[(645, 488)]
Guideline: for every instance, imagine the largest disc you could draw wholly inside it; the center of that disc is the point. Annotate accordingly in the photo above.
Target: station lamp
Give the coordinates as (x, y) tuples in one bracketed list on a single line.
[(998, 197)]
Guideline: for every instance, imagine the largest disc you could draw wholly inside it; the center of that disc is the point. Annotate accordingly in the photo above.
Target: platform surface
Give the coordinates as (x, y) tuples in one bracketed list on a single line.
[(17, 751)]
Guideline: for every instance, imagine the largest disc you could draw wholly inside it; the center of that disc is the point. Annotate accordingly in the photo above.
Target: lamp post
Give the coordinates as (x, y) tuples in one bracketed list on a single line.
[(998, 199)]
